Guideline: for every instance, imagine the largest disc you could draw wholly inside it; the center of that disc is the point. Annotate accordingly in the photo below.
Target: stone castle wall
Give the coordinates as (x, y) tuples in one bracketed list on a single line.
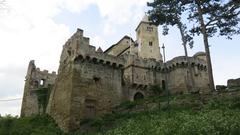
[(35, 79), (90, 83)]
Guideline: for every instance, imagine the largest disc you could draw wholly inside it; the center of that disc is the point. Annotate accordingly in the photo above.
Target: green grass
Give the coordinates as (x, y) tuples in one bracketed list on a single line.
[(187, 115)]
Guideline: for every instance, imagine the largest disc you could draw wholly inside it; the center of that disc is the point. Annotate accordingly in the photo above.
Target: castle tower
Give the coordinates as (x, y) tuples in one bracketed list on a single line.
[(147, 39)]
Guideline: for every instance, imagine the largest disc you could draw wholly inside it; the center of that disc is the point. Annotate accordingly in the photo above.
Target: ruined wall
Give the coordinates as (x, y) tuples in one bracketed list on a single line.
[(233, 83), (35, 79)]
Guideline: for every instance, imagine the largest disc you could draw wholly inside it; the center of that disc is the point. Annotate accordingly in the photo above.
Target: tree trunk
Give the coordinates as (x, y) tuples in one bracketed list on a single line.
[(206, 45), (191, 83)]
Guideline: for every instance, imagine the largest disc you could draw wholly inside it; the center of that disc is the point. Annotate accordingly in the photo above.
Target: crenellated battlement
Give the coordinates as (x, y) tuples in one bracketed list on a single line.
[(35, 80), (181, 62), (91, 82)]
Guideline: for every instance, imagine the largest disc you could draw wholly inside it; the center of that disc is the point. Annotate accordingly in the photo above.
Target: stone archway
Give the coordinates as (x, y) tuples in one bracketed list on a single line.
[(138, 96)]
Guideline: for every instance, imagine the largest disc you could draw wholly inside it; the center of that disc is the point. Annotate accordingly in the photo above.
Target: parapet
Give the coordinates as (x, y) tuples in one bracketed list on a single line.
[(181, 61), (141, 62), (199, 54), (33, 70)]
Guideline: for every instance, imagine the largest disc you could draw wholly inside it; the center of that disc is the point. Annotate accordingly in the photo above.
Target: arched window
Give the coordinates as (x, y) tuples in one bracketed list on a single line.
[(138, 96)]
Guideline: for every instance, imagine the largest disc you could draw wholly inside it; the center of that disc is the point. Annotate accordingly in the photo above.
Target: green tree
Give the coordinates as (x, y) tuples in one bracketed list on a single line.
[(212, 17), (165, 12), (209, 16)]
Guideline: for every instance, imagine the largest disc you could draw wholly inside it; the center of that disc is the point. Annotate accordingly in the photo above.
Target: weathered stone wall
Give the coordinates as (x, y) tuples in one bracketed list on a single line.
[(121, 47), (97, 88), (60, 99), (177, 80), (90, 83), (233, 83), (147, 39), (179, 74), (35, 79)]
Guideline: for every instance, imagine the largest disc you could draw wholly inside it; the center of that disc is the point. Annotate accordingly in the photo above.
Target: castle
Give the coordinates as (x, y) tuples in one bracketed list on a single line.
[(90, 82)]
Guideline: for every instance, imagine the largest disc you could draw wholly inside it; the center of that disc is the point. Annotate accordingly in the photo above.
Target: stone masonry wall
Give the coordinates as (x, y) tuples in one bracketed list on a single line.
[(35, 79), (91, 83), (60, 99), (97, 88)]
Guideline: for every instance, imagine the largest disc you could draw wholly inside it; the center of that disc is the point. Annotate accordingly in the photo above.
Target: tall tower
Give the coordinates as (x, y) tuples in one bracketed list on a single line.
[(147, 39)]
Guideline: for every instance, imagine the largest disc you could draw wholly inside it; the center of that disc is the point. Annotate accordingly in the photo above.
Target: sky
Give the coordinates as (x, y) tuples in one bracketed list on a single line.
[(37, 30)]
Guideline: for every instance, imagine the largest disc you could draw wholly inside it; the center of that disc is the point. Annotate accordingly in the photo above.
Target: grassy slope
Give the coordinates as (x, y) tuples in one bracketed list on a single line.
[(186, 117)]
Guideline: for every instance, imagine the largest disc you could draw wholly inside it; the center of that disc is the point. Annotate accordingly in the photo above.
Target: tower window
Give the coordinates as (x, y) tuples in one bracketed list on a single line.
[(150, 43), (150, 29), (42, 82)]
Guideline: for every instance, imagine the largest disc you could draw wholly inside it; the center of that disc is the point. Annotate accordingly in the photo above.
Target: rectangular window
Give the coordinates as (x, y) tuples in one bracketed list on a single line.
[(90, 112), (150, 43), (150, 29)]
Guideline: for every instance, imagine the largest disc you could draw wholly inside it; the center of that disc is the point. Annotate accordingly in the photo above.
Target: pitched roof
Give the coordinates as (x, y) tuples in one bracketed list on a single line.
[(125, 37)]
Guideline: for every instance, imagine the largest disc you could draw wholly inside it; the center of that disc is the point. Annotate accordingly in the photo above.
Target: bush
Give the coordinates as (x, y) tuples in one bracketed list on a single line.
[(156, 89), (35, 125)]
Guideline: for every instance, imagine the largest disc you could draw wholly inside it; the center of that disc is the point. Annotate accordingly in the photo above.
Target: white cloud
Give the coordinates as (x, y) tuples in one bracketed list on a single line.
[(120, 12), (76, 5), (27, 32), (12, 107), (98, 41)]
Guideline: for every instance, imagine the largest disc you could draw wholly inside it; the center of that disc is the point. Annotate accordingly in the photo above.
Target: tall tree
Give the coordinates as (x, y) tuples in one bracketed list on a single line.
[(165, 12), (210, 17), (213, 17)]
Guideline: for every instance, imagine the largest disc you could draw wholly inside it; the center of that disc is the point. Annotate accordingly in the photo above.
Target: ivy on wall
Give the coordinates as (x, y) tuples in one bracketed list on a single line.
[(156, 89), (43, 94)]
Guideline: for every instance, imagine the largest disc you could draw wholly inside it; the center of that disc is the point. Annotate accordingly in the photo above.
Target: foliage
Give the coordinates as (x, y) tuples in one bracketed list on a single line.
[(35, 125), (165, 12), (218, 119), (218, 116), (182, 123), (156, 89), (43, 97), (220, 17), (209, 17), (127, 104)]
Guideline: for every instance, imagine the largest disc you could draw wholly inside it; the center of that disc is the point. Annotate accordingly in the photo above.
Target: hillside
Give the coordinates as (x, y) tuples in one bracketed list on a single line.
[(186, 115)]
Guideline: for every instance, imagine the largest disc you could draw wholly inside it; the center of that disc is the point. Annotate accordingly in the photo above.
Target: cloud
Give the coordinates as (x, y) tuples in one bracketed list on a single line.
[(114, 13), (98, 41), (119, 12), (28, 31), (12, 107), (76, 5)]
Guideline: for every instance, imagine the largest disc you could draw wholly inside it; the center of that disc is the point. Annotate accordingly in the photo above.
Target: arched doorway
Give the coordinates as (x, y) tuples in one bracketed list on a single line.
[(138, 96)]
